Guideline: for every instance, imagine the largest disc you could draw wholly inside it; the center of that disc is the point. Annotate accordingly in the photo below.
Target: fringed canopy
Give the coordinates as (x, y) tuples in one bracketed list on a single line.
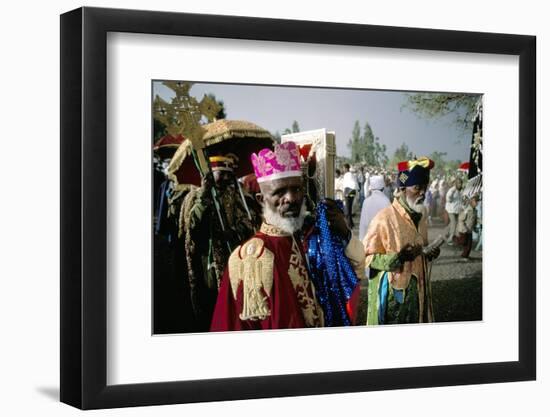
[(222, 130), (237, 138)]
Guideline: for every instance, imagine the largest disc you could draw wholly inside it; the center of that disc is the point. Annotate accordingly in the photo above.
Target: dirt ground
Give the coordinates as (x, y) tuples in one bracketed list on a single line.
[(456, 285)]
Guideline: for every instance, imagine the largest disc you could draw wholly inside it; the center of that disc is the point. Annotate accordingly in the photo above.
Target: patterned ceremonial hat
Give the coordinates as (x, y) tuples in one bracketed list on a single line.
[(282, 162), (221, 163), (414, 172)]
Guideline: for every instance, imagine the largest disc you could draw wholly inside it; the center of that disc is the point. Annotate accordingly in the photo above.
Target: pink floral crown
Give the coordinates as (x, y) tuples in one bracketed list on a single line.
[(282, 162)]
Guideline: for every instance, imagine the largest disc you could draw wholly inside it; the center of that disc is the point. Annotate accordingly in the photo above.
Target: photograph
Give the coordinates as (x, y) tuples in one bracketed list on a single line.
[(292, 207), (271, 205)]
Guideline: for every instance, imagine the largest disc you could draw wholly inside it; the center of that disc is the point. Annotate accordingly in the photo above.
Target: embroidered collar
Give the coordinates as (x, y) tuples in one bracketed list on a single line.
[(271, 230)]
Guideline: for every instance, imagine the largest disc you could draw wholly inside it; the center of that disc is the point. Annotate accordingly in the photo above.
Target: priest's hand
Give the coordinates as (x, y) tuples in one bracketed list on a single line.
[(207, 182), (336, 219), (409, 252), (205, 192), (433, 254)]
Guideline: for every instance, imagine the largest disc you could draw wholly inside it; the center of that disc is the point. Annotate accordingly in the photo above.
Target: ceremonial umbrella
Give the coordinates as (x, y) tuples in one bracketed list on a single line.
[(182, 168), (231, 138), (235, 138), (238, 139), (167, 145), (464, 167)]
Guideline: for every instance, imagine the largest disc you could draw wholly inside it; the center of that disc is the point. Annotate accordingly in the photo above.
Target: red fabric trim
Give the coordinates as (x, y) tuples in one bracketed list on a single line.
[(352, 306), (403, 166)]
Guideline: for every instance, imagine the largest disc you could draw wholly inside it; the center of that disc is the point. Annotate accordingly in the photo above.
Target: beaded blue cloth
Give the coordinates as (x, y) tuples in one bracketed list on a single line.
[(330, 269)]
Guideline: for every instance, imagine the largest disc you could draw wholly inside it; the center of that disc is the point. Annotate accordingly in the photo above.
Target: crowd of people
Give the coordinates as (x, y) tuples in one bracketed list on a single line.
[(256, 253), (368, 190)]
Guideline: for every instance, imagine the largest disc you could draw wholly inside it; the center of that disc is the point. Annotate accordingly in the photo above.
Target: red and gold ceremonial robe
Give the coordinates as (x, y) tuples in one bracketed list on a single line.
[(266, 286)]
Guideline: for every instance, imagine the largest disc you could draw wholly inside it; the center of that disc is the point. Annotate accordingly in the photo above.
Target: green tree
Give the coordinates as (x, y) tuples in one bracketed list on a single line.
[(436, 105), (222, 113), (380, 157), (295, 128), (452, 166), (159, 130), (277, 136), (367, 147), (442, 165), (354, 144), (402, 153), (339, 161), (373, 153), (440, 162)]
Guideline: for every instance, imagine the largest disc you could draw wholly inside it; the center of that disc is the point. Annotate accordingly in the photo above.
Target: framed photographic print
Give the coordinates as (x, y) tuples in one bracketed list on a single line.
[(219, 176)]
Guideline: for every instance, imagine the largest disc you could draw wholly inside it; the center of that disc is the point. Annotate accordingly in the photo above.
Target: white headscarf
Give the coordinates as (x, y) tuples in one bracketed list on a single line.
[(377, 182), (371, 206)]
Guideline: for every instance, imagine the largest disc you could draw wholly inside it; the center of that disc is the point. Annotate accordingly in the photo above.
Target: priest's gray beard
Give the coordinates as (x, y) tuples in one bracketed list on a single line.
[(416, 205), (288, 225)]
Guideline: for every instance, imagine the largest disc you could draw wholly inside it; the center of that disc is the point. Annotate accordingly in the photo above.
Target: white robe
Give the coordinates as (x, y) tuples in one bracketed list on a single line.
[(339, 188), (371, 206), (350, 182)]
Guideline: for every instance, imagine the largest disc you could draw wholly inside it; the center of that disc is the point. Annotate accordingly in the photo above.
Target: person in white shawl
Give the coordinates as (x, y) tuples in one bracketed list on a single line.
[(372, 204)]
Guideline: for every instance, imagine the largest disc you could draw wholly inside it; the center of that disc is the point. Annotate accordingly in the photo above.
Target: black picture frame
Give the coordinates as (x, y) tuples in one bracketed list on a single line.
[(84, 207)]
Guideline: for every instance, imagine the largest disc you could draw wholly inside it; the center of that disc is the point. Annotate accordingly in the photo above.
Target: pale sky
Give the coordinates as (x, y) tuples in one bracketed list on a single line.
[(275, 108)]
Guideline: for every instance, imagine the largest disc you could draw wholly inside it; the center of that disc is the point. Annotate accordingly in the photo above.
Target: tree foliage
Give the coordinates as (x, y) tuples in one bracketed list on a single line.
[(222, 113), (295, 128), (402, 153), (354, 143), (443, 166), (277, 136), (366, 148), (436, 105), (380, 157), (159, 130), (439, 161)]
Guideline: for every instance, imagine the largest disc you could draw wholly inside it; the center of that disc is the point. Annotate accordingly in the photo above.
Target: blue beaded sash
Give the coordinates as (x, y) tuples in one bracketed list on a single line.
[(330, 270)]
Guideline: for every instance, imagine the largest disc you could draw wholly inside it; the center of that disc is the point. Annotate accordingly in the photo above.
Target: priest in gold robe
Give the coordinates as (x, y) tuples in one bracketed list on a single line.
[(397, 253)]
